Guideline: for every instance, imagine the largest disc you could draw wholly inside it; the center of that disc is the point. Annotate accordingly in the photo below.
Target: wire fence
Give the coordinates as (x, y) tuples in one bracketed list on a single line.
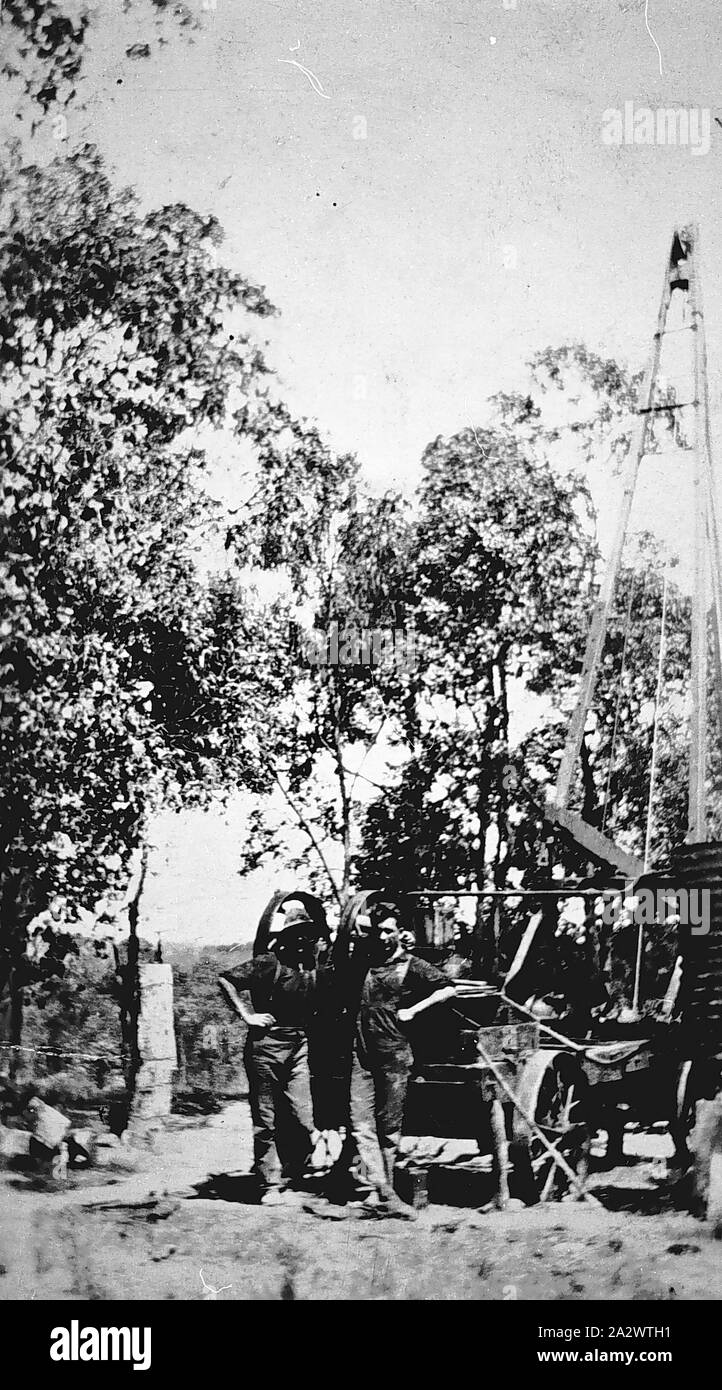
[(209, 1069)]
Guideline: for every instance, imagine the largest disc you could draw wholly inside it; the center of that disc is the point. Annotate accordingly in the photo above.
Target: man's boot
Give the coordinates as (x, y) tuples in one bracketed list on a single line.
[(387, 1203)]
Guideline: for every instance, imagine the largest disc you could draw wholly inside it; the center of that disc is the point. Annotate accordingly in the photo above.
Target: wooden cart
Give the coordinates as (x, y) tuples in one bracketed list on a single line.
[(524, 1103)]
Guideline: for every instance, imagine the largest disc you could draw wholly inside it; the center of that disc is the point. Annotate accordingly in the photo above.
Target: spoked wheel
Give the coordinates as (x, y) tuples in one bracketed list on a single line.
[(553, 1091), (685, 1106), (714, 1189), (312, 904)]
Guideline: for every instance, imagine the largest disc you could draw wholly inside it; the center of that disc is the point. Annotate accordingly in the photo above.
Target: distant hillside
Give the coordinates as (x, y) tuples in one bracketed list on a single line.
[(77, 1017), (183, 956), (210, 1037)]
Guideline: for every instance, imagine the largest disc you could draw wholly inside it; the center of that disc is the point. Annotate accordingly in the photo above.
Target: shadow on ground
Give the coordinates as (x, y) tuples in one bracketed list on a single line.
[(228, 1187)]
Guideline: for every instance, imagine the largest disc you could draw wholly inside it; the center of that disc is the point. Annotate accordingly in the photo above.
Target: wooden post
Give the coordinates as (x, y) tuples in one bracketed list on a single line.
[(501, 1150), (130, 1005), (705, 436), (682, 272), (697, 801), (598, 627)]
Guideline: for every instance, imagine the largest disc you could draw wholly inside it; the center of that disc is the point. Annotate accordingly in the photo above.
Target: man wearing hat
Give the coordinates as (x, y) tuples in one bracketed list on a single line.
[(273, 994)]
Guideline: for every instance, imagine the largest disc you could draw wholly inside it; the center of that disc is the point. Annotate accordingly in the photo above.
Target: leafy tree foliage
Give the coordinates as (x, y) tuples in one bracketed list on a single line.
[(123, 340), (44, 45), (342, 691), (502, 563)]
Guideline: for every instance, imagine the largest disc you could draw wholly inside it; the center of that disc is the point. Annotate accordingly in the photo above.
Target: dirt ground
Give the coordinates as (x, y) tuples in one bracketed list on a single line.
[(183, 1228)]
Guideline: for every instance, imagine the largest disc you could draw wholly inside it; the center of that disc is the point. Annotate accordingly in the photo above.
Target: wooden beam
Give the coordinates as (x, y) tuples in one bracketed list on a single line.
[(595, 844), (697, 798), (600, 618), (705, 442)]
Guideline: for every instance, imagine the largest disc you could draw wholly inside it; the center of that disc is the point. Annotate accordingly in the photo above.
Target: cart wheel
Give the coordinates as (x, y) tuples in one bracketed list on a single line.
[(312, 904), (714, 1192), (354, 908), (706, 1144), (685, 1104), (553, 1091)]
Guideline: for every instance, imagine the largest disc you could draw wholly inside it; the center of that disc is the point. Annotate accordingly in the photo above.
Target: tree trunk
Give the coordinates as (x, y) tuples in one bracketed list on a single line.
[(502, 816), (484, 953), (130, 1004), (345, 820), (12, 939), (342, 788), (15, 1024)]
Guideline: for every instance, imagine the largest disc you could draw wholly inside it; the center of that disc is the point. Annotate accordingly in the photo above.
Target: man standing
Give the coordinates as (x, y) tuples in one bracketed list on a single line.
[(274, 996), (396, 988)]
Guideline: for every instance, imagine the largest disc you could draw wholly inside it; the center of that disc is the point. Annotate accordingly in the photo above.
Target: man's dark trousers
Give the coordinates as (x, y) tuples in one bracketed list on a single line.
[(378, 1099), (276, 1062)]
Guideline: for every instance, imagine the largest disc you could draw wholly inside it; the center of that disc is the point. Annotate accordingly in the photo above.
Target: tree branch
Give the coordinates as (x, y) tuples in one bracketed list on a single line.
[(306, 827)]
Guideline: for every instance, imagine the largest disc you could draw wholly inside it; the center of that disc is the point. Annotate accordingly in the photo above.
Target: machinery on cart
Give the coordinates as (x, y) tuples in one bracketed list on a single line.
[(533, 1093), (683, 1049), (653, 1065)]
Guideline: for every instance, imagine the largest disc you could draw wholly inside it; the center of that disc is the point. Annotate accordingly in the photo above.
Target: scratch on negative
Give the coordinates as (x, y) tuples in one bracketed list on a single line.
[(315, 83), (651, 35), (209, 1291)]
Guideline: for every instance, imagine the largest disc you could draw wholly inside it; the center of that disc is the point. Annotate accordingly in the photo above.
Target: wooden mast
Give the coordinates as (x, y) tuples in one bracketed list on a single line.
[(681, 273)]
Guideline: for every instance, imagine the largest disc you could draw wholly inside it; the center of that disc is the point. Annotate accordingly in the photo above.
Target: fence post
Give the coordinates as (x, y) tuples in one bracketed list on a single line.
[(157, 1055)]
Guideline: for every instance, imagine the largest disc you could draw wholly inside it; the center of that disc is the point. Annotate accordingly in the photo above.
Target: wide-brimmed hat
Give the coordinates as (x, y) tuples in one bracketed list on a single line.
[(295, 916)]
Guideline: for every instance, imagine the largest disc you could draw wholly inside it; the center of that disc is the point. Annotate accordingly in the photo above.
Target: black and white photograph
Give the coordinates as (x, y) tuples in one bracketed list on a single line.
[(361, 653)]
